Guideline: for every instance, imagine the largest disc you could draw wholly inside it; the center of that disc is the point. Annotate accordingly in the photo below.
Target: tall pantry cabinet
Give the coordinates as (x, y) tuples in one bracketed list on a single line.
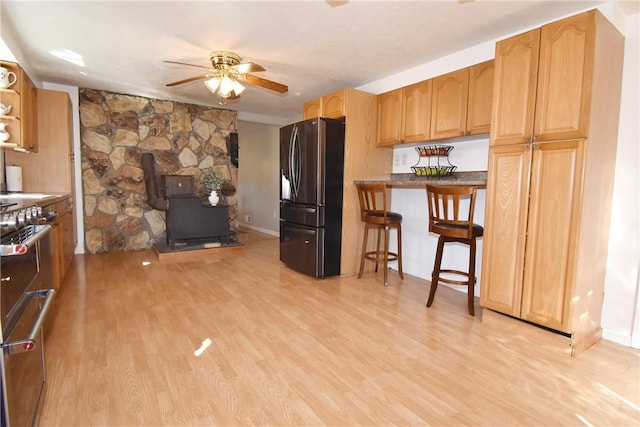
[(550, 175)]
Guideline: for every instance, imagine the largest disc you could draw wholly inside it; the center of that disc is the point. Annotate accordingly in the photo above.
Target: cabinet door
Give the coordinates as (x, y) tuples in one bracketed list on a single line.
[(449, 104), (51, 169), (334, 105), (416, 112), (505, 228), (480, 96), (556, 181), (389, 117), (29, 100), (514, 94), (312, 109), (564, 81)]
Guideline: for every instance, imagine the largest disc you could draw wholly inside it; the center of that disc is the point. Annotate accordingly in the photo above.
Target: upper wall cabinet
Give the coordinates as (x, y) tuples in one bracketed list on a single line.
[(480, 98), (334, 105), (21, 121), (331, 106), (540, 94), (449, 104), (312, 109), (404, 114), (461, 103), (389, 117)]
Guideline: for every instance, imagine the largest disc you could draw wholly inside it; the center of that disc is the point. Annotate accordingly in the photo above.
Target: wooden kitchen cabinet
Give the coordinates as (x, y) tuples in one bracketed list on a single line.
[(312, 109), (52, 168), (545, 83), (404, 114), (449, 105), (462, 101), (64, 239), (22, 119), (480, 98), (389, 117), (332, 106), (548, 201), (539, 189), (514, 97)]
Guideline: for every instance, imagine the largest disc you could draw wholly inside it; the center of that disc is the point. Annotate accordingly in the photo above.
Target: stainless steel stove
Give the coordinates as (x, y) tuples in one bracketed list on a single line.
[(26, 296)]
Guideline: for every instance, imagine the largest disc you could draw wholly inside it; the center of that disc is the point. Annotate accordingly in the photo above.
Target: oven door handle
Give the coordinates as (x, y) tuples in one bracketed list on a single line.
[(28, 343)]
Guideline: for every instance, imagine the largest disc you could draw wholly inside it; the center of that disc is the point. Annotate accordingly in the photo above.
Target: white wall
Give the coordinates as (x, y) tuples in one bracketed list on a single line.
[(258, 192), (621, 315)]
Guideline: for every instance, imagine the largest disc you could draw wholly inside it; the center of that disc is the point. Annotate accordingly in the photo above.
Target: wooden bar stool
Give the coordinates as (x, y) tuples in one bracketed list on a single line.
[(451, 216), (375, 216)]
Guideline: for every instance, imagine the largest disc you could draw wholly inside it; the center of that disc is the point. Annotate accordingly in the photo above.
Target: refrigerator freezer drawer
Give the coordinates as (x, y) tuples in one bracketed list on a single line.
[(302, 248), (310, 215)]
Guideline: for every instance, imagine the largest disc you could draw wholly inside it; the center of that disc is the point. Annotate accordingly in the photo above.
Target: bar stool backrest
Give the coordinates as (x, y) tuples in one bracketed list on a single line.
[(373, 203), (451, 210)]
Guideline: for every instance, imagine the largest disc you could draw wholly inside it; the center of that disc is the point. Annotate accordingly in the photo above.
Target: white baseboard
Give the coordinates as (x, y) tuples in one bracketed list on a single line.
[(621, 338), (259, 229)]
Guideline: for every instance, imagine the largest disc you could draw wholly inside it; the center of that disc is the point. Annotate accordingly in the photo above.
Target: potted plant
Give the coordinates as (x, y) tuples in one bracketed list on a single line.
[(213, 180)]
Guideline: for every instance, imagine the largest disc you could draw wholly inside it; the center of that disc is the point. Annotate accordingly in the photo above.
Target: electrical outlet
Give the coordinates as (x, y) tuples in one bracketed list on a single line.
[(275, 215), (247, 219)]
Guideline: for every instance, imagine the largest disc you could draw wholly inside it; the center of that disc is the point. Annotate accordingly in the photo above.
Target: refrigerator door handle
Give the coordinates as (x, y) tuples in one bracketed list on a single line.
[(294, 162)]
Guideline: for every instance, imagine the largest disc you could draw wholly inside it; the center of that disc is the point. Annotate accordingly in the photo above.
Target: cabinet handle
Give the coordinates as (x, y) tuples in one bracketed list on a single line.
[(535, 137), (536, 146), (527, 147), (527, 139)]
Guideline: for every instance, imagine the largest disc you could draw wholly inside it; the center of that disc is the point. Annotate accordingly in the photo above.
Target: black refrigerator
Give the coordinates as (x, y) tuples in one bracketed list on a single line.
[(311, 175)]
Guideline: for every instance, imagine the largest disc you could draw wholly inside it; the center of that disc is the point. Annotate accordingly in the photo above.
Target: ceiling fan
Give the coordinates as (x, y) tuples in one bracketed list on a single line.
[(225, 74)]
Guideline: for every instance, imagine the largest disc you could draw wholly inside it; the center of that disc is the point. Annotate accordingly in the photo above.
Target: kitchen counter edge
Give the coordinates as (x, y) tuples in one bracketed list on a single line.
[(21, 203), (409, 180)]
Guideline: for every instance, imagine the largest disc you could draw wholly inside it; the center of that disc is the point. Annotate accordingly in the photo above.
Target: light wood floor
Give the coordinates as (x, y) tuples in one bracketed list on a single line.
[(286, 349)]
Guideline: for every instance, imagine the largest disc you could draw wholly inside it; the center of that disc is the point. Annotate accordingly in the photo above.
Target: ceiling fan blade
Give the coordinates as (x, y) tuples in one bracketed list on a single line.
[(190, 79), (248, 67), (267, 84), (184, 63)]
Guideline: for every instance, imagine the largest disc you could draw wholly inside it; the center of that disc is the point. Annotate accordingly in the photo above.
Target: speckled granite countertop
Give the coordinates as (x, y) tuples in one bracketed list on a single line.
[(409, 180)]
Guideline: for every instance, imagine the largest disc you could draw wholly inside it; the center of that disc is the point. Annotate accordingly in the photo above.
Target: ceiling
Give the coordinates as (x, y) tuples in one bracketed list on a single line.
[(315, 47)]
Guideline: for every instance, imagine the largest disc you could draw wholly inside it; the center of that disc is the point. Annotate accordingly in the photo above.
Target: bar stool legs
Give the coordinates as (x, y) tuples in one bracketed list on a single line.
[(470, 275), (381, 255)]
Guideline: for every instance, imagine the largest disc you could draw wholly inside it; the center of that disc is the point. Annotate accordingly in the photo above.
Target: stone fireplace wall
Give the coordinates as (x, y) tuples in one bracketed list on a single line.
[(116, 130)]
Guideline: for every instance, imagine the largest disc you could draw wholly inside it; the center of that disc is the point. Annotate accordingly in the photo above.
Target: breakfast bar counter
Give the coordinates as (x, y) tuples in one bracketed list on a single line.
[(409, 180)]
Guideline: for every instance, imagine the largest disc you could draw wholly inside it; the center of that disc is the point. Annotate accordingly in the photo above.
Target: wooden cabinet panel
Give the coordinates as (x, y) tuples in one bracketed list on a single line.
[(449, 104), (505, 226), (514, 94), (416, 112), (566, 207), (334, 105), (553, 217), (564, 78), (480, 97), (52, 168), (389, 117), (312, 109), (22, 121)]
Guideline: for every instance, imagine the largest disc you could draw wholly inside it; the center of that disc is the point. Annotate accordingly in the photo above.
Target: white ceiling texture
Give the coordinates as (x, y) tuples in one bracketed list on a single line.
[(315, 47)]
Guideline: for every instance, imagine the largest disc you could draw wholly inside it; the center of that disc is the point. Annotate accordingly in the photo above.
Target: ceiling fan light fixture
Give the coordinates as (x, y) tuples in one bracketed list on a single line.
[(237, 87), (226, 87), (212, 84)]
